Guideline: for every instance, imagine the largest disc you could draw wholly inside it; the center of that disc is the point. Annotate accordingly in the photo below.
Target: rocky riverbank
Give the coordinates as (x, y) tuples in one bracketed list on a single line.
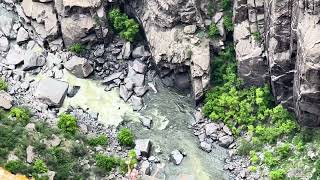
[(101, 87)]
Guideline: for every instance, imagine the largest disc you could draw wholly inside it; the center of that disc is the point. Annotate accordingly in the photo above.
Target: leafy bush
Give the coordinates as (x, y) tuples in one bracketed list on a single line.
[(211, 8), (78, 150), (129, 163), (126, 137), (68, 123), (40, 167), (283, 150), (254, 159), (278, 174), (244, 148), (227, 21), (100, 140), (226, 5), (60, 161), (17, 167), (213, 31), (3, 85), (128, 28), (257, 36), (107, 163), (221, 63), (252, 168), (270, 160), (77, 48), (21, 114)]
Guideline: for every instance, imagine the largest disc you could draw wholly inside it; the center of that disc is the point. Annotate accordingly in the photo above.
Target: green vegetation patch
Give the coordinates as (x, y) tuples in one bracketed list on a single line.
[(3, 85), (128, 28), (100, 140), (213, 31), (68, 123), (126, 137), (77, 48)]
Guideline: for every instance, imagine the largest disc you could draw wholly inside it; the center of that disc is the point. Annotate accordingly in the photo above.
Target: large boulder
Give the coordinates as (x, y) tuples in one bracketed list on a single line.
[(76, 28), (5, 100), (33, 59), (15, 56), (46, 22), (51, 91), (143, 147), (80, 67)]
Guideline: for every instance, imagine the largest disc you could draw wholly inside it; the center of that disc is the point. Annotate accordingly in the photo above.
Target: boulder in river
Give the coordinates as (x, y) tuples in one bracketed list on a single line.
[(143, 147), (52, 91), (176, 157)]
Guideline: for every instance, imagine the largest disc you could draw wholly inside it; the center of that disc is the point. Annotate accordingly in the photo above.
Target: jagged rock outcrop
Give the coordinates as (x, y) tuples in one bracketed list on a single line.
[(252, 62), (290, 33), (174, 46)]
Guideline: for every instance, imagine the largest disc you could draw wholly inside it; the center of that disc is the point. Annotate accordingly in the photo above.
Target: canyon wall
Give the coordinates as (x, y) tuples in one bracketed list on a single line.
[(290, 35)]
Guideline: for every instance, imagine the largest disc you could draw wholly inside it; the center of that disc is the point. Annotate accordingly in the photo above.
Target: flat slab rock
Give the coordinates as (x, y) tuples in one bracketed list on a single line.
[(52, 92)]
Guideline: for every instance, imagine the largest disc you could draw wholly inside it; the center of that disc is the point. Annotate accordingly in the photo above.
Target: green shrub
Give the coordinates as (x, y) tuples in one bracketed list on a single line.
[(100, 140), (126, 137), (211, 8), (17, 167), (316, 173), (252, 168), (270, 160), (129, 164), (21, 114), (283, 150), (213, 31), (78, 150), (128, 28), (40, 167), (68, 123), (257, 36), (226, 5), (3, 85), (107, 163), (227, 21), (254, 159), (278, 174), (77, 48), (220, 64), (244, 148), (60, 161)]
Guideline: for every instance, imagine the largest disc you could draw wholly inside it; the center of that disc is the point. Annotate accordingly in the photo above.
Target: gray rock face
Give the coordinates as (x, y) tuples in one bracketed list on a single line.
[(80, 67), (5, 100), (4, 44), (52, 91), (174, 46), (143, 147), (289, 52), (46, 22)]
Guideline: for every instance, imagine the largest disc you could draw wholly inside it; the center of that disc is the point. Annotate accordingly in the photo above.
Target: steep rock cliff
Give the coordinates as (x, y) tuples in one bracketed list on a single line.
[(291, 37)]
